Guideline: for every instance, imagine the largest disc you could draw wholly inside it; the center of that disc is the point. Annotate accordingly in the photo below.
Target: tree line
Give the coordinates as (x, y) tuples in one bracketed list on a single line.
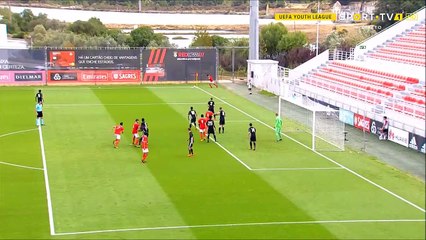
[(41, 31), (164, 3), (276, 42)]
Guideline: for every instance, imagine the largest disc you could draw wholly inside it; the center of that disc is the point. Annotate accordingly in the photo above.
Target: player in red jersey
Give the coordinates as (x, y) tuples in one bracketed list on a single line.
[(135, 134), (211, 81), (209, 114), (144, 146), (118, 130), (202, 126)]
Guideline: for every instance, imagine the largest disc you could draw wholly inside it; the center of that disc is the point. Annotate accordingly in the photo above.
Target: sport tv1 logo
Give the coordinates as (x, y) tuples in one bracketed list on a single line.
[(57, 76), (28, 77)]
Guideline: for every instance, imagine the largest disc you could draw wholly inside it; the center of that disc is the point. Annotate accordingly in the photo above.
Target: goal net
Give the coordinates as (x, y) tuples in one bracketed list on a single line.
[(311, 123)]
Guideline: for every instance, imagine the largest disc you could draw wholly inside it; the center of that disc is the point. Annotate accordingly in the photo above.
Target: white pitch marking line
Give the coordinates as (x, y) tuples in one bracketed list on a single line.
[(46, 181), (105, 87), (320, 154), (238, 121), (17, 165), (21, 166), (236, 158), (17, 132), (53, 105), (142, 87), (295, 169), (242, 225), (165, 87), (268, 169), (230, 153)]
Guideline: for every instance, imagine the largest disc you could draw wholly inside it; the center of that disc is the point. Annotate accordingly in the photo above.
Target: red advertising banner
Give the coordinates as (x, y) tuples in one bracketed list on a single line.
[(167, 64), (62, 58), (92, 76), (362, 122), (22, 78)]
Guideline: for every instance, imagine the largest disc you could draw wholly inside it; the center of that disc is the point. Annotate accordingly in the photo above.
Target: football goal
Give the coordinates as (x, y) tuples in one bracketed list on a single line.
[(314, 124)]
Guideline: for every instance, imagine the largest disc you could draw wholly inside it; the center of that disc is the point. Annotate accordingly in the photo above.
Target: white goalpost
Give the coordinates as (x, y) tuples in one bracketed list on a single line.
[(317, 125)]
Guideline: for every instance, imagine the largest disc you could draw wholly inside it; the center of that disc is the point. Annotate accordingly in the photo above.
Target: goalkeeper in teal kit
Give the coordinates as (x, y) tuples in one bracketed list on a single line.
[(278, 126)]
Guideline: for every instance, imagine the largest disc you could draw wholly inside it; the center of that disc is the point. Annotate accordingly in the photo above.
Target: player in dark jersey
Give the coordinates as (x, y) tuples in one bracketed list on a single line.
[(39, 97), (211, 105), (211, 128), (143, 129), (190, 143), (221, 120), (252, 137), (192, 117)]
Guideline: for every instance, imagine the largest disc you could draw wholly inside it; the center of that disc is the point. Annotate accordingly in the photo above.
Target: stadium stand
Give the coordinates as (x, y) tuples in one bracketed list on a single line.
[(408, 47), (384, 76)]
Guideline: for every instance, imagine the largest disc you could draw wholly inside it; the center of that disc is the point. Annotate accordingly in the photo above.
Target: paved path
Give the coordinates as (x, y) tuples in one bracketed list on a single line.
[(388, 152)]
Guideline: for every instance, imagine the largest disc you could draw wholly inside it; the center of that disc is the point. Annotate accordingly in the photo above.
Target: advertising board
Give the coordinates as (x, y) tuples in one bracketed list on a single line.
[(164, 64), (22, 78), (92, 76), (417, 142), (102, 59), (346, 116), (398, 136), (22, 59), (362, 122)]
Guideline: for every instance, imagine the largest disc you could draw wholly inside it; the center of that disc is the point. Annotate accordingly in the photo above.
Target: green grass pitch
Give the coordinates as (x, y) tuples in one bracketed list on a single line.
[(280, 191)]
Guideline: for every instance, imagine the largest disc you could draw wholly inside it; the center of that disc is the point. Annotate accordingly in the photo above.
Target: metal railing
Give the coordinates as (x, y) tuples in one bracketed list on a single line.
[(338, 54)]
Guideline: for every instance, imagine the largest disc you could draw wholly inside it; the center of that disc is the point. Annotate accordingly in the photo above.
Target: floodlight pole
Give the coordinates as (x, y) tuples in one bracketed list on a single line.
[(254, 30), (318, 22), (10, 11)]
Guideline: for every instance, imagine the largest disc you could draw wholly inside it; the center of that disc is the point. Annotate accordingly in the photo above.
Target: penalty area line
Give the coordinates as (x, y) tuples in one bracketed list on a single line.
[(229, 152), (239, 121), (236, 158), (243, 225), (320, 154), (296, 169)]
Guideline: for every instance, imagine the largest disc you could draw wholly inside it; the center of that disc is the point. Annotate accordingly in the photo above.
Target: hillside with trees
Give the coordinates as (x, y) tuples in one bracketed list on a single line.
[(290, 48), (41, 31)]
